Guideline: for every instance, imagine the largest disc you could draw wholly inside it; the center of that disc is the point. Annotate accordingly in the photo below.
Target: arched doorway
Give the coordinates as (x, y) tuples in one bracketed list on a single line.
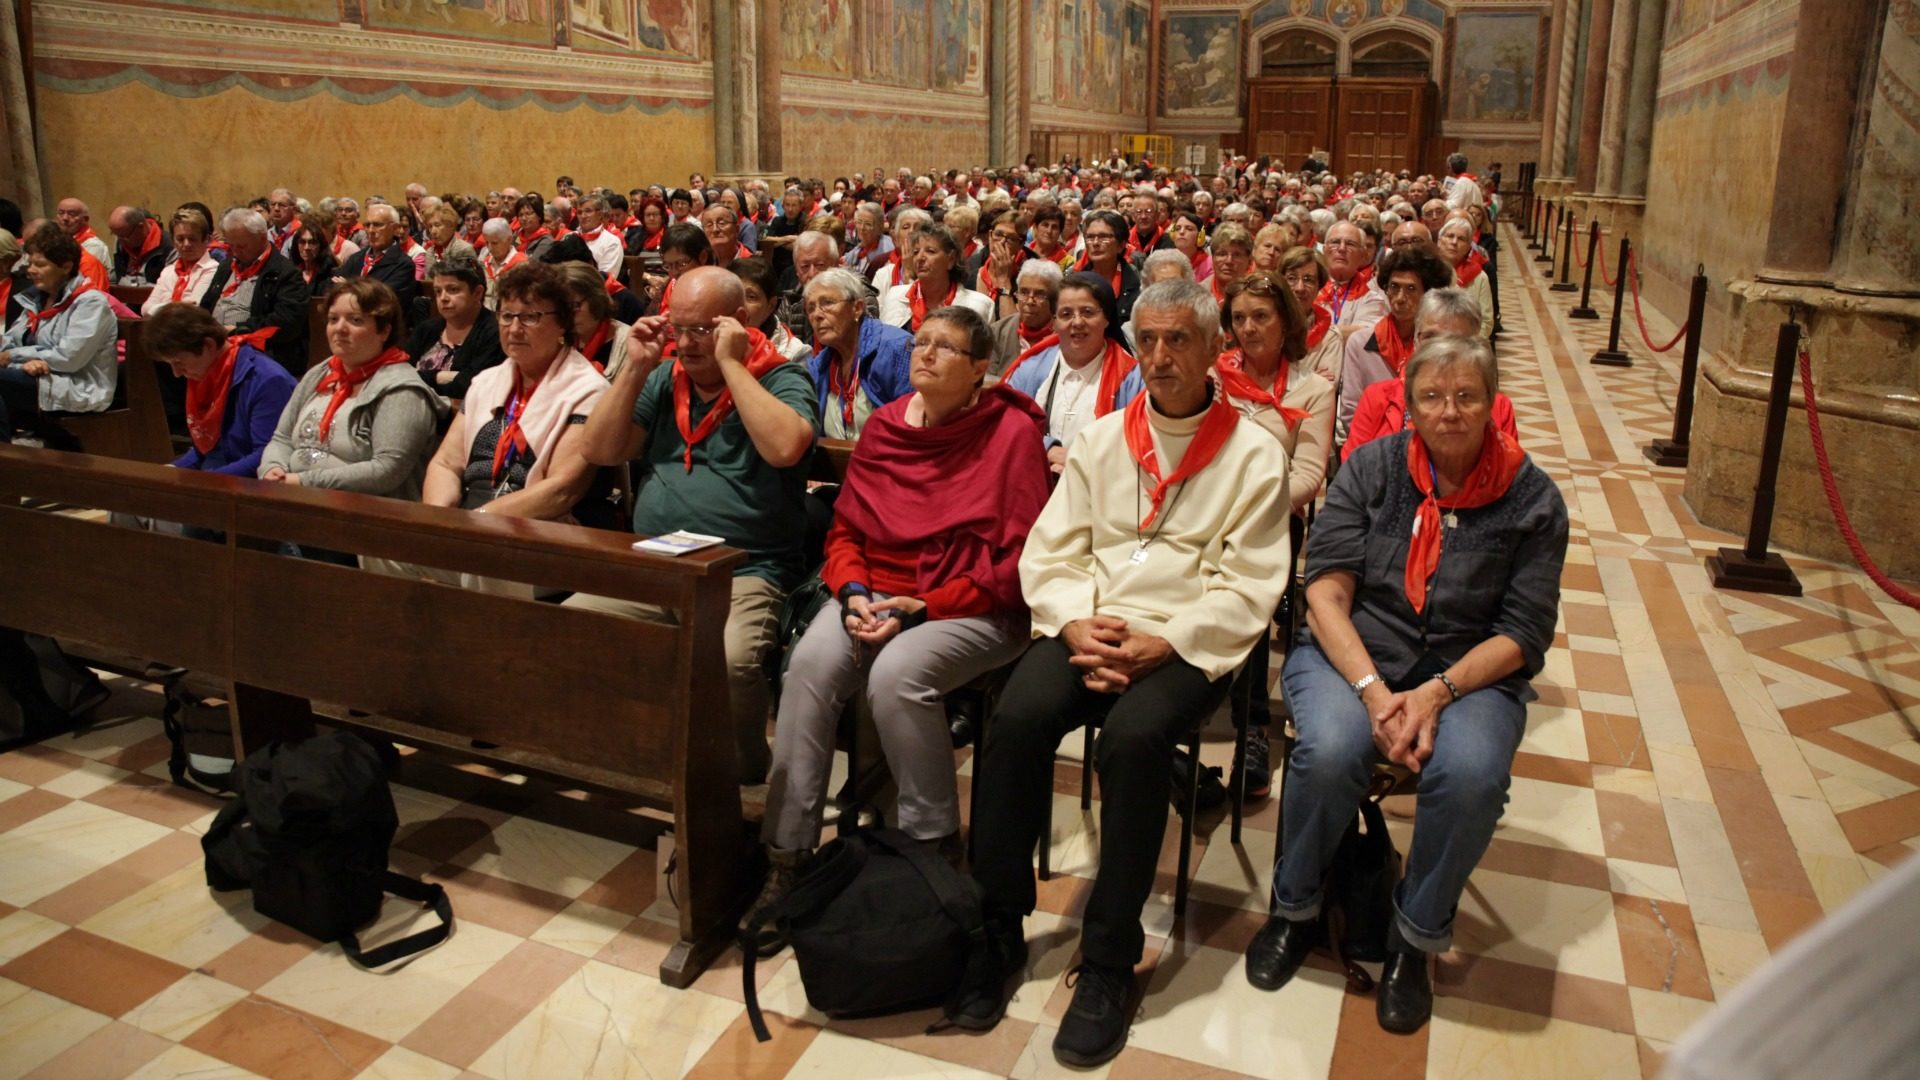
[(1369, 107)]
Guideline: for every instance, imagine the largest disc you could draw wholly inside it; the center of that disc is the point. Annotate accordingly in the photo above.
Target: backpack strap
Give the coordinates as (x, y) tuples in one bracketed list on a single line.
[(420, 892), (946, 882), (839, 863)]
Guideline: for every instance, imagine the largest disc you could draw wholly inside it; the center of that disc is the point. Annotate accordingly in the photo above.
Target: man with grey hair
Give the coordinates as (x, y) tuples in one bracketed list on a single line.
[(258, 288), (385, 258), (283, 220), (602, 240), (814, 253), (142, 247), (1151, 574), (346, 222), (859, 363)]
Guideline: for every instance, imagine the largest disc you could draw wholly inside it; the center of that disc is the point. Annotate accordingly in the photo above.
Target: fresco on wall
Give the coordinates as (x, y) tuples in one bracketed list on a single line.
[(817, 36), (1349, 14), (1494, 66), (327, 11), (529, 22), (1201, 59), (1133, 62), (1040, 16), (959, 39), (1686, 18), (893, 43), (670, 28), (600, 22)]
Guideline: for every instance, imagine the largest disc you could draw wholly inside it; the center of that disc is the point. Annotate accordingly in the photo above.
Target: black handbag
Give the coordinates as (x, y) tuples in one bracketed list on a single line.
[(1360, 883), (879, 924), (309, 833)]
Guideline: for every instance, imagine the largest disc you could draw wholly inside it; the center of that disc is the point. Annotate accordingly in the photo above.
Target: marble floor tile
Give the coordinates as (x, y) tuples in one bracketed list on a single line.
[(36, 1027), (327, 984), (833, 1056), (1549, 925), (1556, 815), (179, 919), (275, 1040), (544, 856), (608, 1022), (59, 848), (111, 1051), (181, 1063), (1200, 1007), (184, 1007), (1469, 1041)]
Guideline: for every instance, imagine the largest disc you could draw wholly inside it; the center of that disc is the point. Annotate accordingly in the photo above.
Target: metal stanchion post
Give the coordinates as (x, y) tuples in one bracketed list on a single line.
[(1545, 244), (1566, 255), (1754, 568), (1673, 452), (1612, 354), (1585, 309)]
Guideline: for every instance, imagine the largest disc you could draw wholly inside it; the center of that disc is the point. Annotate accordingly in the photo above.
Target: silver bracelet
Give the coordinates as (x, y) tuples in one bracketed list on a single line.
[(1360, 685), (1448, 683)]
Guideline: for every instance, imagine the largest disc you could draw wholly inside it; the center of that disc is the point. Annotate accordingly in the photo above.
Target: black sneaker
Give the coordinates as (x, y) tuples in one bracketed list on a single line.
[(1258, 764), (982, 997), (1213, 792), (1095, 1026)]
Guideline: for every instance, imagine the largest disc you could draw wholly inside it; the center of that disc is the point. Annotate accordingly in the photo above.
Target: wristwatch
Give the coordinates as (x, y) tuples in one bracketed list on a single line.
[(1360, 686)]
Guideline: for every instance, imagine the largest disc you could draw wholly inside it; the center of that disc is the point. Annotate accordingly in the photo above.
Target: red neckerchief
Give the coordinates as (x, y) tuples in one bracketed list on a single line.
[(439, 250), (241, 275), (1086, 265), (1322, 322), (149, 240), (1234, 380), (6, 291), (591, 349), (561, 232), (1030, 337), (1500, 460), (35, 318), (966, 253), (339, 241), (1394, 349), (590, 237), (762, 357), (1219, 293), (513, 442), (652, 243), (475, 239), (1470, 268), (181, 271), (1215, 428), (1134, 247), (918, 303), (342, 234), (85, 235), (1115, 365), (342, 382), (666, 298), (846, 393), (207, 395), (514, 258), (1334, 296), (865, 251), (527, 240)]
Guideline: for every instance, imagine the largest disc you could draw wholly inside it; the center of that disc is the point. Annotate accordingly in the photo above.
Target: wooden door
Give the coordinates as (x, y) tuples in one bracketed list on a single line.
[(1289, 118), (1380, 124)]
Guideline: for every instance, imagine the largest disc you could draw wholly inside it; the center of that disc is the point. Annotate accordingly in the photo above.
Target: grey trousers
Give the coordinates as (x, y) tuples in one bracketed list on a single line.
[(905, 683)]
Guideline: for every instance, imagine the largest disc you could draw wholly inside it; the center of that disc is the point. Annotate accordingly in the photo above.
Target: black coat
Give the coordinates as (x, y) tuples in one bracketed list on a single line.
[(149, 267), (394, 267), (279, 299), (479, 352)]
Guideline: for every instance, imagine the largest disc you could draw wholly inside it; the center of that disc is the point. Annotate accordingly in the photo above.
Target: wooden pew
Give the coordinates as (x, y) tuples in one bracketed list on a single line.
[(136, 429), (317, 348), (134, 296), (609, 703), (830, 457)]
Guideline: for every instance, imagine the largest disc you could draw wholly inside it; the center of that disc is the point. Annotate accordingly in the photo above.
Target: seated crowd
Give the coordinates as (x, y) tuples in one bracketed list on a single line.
[(1095, 415)]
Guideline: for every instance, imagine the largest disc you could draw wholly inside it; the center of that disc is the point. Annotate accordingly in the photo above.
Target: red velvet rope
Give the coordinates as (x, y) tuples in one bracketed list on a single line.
[(1839, 509), (1633, 280)]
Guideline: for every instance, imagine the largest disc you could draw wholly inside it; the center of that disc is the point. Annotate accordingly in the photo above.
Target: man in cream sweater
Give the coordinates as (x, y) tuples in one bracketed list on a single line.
[(1152, 573)]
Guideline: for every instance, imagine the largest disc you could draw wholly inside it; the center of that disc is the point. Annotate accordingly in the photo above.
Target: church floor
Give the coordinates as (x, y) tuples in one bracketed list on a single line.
[(1705, 775)]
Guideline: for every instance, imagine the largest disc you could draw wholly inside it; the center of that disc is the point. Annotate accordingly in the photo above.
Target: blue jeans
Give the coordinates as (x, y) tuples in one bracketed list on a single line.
[(1462, 791)]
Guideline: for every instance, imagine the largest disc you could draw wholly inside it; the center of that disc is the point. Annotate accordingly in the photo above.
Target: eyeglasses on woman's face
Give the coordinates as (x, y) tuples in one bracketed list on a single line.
[(528, 319)]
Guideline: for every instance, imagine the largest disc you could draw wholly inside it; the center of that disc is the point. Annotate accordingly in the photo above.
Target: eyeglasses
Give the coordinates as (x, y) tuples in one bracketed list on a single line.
[(676, 332), (1434, 401), (941, 349), (1403, 288), (1098, 237), (812, 306), (529, 319)]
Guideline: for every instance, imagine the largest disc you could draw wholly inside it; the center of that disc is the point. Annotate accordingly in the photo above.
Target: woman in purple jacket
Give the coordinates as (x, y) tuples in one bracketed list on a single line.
[(235, 391)]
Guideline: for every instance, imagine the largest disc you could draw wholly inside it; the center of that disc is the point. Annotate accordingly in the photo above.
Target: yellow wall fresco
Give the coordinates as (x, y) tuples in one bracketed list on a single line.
[(827, 143), (227, 147)]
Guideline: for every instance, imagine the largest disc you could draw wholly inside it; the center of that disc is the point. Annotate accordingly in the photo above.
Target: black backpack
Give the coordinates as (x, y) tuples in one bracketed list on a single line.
[(879, 924), (309, 834)]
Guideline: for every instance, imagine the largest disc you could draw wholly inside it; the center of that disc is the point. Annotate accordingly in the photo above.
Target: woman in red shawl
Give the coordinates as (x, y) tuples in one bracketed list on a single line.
[(1433, 587), (924, 560)]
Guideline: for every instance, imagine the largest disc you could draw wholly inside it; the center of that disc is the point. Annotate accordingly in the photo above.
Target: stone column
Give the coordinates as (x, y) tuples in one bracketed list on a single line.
[(1879, 238), (1621, 63), (1559, 164), (746, 88), (767, 85), (726, 153), (1651, 35), (1007, 67), (1813, 174), (1593, 96), (1550, 87)]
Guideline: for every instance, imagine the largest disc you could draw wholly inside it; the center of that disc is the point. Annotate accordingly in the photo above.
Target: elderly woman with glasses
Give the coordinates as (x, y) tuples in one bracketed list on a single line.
[(1305, 273), (1103, 239), (924, 559), (1080, 372), (1036, 289), (859, 363), (1433, 587)]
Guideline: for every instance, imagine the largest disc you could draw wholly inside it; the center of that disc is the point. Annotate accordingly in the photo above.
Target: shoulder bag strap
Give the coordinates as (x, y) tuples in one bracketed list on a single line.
[(826, 879), (946, 882), (420, 892)]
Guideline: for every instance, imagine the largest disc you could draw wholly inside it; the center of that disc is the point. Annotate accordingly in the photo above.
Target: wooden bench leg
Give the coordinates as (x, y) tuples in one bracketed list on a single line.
[(262, 716)]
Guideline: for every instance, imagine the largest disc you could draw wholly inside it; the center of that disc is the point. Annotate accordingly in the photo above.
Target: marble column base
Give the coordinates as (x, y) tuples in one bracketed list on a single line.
[(1868, 389)]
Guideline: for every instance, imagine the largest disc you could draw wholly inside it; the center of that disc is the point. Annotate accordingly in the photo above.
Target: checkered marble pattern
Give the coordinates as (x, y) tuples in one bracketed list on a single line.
[(1705, 774)]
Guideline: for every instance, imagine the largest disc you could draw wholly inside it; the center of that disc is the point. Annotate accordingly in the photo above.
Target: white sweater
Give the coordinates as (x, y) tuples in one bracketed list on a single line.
[(1217, 561)]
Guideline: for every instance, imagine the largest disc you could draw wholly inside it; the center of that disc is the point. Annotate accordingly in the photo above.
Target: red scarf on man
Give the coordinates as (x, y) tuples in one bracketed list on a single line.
[(590, 236), (918, 303), (35, 318), (1394, 349), (762, 357), (1215, 427), (1115, 365), (85, 235), (241, 274), (1470, 268), (1334, 296), (6, 292), (1135, 247), (1322, 322), (207, 395), (342, 382), (1500, 459), (904, 491), (149, 240), (342, 234), (1230, 368), (1030, 338)]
